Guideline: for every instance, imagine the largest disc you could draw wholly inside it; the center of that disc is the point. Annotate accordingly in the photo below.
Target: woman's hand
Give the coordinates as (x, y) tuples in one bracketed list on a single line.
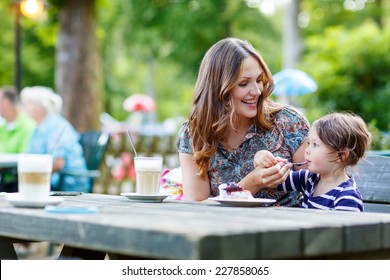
[(262, 177), (264, 158)]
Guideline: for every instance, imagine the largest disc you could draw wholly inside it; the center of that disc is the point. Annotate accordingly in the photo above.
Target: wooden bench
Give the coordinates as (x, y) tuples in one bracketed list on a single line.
[(372, 176)]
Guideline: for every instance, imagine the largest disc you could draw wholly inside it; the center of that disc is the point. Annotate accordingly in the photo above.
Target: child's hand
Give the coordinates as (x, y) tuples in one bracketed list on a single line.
[(266, 159)]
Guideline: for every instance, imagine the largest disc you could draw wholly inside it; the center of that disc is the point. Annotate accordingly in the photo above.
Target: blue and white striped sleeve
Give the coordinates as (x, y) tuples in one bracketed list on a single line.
[(296, 181)]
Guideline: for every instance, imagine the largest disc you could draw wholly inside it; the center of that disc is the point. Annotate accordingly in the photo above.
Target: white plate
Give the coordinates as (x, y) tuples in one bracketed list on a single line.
[(16, 201), (244, 203), (158, 197)]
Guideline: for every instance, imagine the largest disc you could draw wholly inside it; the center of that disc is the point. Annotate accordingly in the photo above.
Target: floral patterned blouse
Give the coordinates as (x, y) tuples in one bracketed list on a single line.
[(282, 140)]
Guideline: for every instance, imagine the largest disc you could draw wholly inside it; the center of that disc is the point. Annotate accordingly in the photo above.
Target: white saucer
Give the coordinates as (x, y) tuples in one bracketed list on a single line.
[(244, 203), (158, 197), (16, 201)]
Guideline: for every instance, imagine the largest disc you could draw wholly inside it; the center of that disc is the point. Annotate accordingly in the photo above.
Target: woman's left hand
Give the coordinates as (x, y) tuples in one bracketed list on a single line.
[(262, 177), (264, 158)]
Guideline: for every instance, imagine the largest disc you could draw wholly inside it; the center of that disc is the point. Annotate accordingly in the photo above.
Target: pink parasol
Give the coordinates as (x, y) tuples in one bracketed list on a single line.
[(139, 103)]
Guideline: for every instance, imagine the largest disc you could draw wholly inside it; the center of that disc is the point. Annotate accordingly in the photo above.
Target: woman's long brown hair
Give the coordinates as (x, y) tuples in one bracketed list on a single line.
[(212, 113)]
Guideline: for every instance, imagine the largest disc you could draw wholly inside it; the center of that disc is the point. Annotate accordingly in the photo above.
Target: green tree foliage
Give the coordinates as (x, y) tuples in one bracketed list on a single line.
[(186, 29), (351, 68), (328, 13), (7, 44), (37, 47), (158, 45), (147, 45)]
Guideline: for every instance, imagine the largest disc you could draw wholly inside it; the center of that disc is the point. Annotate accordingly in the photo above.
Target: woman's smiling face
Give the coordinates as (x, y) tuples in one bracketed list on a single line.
[(246, 93)]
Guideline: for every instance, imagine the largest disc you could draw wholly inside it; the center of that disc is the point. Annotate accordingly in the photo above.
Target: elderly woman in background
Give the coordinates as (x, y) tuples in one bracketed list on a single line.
[(54, 135)]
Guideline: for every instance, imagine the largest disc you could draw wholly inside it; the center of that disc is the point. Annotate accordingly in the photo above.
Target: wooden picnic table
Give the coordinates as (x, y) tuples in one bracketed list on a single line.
[(180, 230)]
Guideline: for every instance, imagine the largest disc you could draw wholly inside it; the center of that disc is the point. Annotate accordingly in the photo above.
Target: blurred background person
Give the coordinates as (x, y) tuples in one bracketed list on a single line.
[(54, 135), (15, 132), (16, 128)]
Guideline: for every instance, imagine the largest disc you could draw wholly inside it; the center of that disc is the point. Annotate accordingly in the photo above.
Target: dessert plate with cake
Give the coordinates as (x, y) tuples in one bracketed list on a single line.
[(232, 194)]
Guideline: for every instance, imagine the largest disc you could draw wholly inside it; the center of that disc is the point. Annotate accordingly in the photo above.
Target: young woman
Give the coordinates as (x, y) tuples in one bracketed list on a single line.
[(232, 118), (335, 142)]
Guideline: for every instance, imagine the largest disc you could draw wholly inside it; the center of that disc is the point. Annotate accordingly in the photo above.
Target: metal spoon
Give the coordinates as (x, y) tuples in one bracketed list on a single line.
[(299, 163)]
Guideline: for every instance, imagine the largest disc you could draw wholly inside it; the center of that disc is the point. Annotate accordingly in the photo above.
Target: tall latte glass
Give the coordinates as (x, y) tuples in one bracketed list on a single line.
[(34, 173), (148, 171)]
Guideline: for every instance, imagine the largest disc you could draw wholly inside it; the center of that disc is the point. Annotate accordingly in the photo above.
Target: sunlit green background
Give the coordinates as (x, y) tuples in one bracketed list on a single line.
[(155, 46)]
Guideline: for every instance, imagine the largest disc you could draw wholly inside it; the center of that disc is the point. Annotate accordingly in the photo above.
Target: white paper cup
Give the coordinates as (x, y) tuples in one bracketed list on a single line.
[(34, 174), (148, 171)]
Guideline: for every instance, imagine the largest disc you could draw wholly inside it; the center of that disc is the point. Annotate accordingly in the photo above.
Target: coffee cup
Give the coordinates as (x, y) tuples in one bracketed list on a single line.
[(34, 174), (148, 171)]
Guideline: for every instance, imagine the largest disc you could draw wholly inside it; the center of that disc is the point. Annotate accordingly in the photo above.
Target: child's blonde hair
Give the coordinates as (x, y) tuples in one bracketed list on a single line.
[(346, 134)]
